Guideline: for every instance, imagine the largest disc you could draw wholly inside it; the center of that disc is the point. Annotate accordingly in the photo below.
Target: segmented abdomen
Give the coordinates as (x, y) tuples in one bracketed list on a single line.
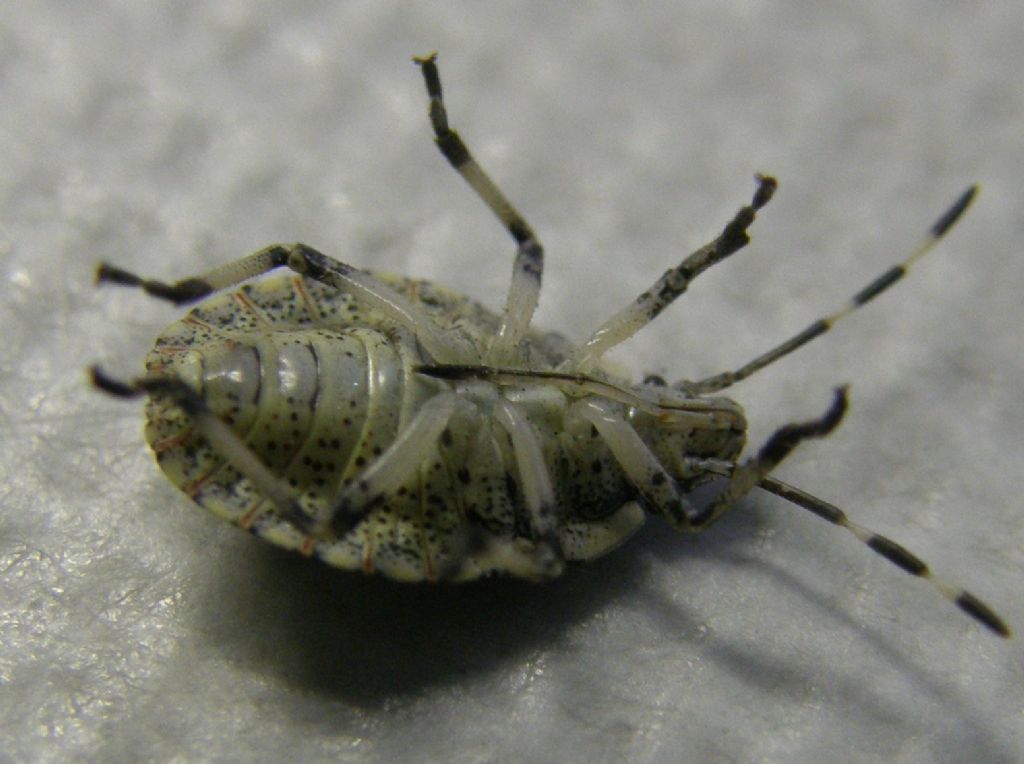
[(316, 404), (318, 387)]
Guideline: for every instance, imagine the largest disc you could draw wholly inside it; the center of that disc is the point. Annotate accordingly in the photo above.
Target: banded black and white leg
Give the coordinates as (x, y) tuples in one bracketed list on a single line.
[(876, 287), (650, 303), (447, 347), (527, 270)]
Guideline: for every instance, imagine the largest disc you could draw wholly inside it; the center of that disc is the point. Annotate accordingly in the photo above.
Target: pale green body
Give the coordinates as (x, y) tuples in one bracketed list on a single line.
[(318, 386)]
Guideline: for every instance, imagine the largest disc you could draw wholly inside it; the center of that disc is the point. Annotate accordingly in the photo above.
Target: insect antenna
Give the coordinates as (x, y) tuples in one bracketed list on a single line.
[(823, 324), (895, 553)]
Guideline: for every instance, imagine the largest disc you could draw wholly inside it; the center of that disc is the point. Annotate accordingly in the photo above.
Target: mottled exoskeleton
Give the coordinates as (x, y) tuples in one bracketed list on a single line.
[(384, 424)]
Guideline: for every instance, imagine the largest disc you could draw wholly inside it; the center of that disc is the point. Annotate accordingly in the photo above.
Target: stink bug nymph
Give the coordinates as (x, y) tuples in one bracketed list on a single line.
[(385, 424)]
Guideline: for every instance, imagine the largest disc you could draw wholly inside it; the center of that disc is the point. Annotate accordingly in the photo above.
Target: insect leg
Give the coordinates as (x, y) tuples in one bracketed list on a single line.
[(524, 291), (391, 469), (197, 287), (778, 446), (309, 262), (822, 325), (546, 558), (221, 437), (641, 466), (646, 307)]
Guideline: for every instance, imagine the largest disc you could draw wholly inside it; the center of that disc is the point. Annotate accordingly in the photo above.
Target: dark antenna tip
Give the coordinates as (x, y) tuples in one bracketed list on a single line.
[(949, 218), (983, 614)]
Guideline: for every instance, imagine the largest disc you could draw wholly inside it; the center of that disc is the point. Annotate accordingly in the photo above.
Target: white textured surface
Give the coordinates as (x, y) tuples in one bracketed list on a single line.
[(170, 137)]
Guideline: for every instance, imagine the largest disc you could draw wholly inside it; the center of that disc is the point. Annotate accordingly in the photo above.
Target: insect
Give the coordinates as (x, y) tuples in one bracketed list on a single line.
[(388, 425)]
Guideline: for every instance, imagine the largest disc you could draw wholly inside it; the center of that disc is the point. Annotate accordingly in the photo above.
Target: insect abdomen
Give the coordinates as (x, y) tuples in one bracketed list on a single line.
[(318, 399), (314, 404)]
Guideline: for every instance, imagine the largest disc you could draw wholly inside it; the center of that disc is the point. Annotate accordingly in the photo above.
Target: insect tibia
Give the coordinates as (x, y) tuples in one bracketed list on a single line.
[(179, 293)]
